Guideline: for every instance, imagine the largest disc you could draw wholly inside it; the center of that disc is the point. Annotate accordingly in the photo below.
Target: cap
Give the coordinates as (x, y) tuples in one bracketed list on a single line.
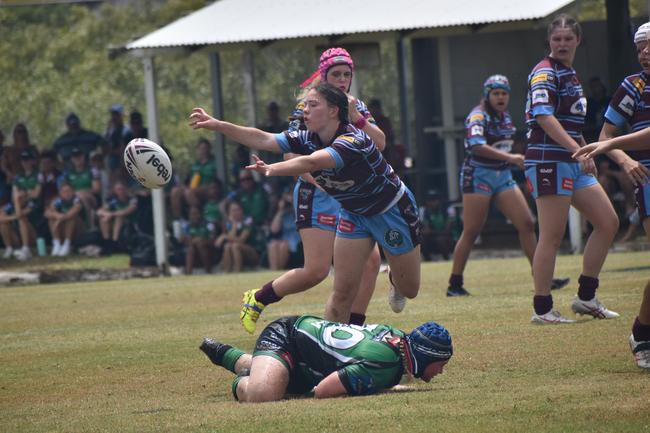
[(117, 108), (72, 118), (27, 154), (76, 151)]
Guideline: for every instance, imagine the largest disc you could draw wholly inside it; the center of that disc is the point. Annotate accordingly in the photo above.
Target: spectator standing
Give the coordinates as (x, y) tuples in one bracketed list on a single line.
[(5, 186), (63, 217), (76, 138), (136, 127), (11, 162), (116, 136)]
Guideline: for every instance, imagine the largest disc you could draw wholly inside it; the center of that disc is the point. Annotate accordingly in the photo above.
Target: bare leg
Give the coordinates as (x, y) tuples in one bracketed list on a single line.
[(553, 212), (117, 226), (475, 211), (318, 249), (190, 257), (513, 205), (405, 272), (176, 200), (593, 203), (368, 282), (350, 255), (268, 381), (644, 312)]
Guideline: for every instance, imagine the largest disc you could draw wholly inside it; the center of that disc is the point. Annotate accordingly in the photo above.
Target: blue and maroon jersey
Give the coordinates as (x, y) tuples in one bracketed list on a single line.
[(496, 131), (362, 181), (553, 89), (631, 104), (297, 122)]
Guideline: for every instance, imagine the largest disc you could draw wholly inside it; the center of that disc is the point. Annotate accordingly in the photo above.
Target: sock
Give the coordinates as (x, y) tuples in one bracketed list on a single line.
[(587, 287), (456, 281), (266, 295), (235, 384), (230, 357), (66, 243), (640, 331), (357, 319), (56, 243), (542, 304)]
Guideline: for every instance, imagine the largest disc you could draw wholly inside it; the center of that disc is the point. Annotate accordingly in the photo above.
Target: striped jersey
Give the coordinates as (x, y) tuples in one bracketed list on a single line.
[(631, 104), (362, 181), (553, 89), (483, 128), (364, 356)]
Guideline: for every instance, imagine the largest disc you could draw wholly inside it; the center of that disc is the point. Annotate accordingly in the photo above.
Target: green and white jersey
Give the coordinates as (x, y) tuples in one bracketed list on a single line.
[(363, 357), (26, 182)]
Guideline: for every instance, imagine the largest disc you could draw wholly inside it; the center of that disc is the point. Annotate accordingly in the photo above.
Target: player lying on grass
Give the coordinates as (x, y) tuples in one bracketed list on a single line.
[(312, 356), (638, 141)]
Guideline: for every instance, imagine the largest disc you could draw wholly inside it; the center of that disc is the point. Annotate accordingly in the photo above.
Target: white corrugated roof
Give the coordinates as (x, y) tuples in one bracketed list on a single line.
[(234, 21)]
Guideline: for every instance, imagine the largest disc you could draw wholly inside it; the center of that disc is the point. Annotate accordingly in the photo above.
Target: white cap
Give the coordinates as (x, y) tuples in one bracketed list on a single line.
[(642, 33)]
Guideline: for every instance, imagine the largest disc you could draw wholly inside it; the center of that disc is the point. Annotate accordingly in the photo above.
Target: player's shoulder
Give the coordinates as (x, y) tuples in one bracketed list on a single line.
[(477, 114)]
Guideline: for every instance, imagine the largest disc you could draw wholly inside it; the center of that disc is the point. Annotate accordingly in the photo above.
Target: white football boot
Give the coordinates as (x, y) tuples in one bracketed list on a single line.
[(553, 317), (593, 308)]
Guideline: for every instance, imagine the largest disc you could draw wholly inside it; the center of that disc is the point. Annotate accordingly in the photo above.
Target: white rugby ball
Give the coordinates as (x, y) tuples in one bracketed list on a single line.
[(147, 163)]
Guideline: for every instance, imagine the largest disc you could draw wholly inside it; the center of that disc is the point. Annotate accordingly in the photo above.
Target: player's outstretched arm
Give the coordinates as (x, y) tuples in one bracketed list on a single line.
[(330, 387), (639, 140), (250, 137), (318, 160)]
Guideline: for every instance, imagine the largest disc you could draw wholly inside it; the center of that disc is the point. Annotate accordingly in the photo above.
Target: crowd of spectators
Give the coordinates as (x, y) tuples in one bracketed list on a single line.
[(76, 196)]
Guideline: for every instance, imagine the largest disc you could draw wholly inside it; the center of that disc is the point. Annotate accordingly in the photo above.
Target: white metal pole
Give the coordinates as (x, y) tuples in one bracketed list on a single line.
[(451, 159), (157, 196), (575, 231), (217, 109)]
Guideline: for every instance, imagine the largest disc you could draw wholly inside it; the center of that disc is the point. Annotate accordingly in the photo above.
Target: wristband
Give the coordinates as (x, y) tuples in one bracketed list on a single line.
[(361, 123)]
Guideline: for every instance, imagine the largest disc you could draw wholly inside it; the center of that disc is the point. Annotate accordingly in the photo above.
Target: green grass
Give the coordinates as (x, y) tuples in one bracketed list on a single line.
[(122, 357), (117, 261)]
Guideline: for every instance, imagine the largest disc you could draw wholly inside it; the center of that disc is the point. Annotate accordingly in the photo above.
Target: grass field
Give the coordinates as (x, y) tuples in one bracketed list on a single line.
[(122, 357)]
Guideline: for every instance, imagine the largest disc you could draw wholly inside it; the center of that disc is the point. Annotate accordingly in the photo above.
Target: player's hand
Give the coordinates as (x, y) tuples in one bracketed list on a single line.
[(353, 113), (636, 172), (310, 179), (588, 151), (517, 159), (589, 166), (200, 119), (259, 166)]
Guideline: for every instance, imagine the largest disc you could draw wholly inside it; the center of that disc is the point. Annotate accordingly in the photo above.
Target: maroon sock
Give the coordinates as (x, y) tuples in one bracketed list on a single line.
[(266, 295), (587, 287), (357, 319), (640, 331), (542, 304), (456, 281)]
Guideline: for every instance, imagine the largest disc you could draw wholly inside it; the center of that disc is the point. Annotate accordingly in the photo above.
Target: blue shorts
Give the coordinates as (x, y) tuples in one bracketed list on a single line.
[(486, 181), (557, 178), (643, 200), (314, 208), (397, 230)]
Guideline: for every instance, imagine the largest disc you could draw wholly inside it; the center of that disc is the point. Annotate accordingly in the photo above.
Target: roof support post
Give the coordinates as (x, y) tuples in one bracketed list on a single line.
[(158, 199), (447, 105), (249, 87), (217, 109), (402, 74)]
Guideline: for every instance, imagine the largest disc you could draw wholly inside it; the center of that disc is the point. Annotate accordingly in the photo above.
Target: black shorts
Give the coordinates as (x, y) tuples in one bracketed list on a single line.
[(277, 341)]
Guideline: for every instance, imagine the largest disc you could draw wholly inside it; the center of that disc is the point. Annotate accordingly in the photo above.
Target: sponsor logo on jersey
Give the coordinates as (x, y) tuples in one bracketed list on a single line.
[(476, 117), (326, 220), (639, 84), (627, 105), (326, 182), (305, 194), (540, 96), (567, 183), (546, 170), (483, 187), (476, 130), (570, 89), (579, 107), (393, 238), (503, 145), (539, 78), (345, 226)]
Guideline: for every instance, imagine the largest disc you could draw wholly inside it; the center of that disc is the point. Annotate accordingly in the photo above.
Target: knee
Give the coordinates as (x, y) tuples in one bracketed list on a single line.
[(374, 262), (316, 274), (527, 226)]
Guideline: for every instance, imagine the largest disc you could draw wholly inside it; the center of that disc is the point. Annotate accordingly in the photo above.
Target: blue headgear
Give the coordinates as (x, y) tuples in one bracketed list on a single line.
[(427, 343), (495, 82)]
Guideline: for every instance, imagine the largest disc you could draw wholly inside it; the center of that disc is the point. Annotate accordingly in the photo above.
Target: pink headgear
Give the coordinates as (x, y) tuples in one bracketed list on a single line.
[(330, 57)]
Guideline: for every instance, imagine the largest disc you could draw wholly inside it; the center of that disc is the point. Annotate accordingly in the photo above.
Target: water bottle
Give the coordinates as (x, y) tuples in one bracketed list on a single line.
[(40, 247)]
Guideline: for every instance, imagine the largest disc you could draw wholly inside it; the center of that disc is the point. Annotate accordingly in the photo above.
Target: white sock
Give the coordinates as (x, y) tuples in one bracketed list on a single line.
[(66, 243), (56, 244)]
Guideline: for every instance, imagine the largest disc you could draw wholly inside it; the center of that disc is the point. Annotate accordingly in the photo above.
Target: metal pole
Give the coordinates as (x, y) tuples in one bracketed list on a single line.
[(451, 159), (217, 109), (403, 93), (158, 199)]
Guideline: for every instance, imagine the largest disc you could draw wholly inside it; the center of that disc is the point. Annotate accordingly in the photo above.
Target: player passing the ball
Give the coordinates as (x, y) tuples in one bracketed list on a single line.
[(630, 105), (555, 112), (376, 206), (319, 358)]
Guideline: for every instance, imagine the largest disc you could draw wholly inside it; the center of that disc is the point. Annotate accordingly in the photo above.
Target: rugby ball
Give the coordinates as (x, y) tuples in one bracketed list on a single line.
[(147, 163)]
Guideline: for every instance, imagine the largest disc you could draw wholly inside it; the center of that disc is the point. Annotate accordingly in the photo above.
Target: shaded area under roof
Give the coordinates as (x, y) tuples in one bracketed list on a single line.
[(239, 21)]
